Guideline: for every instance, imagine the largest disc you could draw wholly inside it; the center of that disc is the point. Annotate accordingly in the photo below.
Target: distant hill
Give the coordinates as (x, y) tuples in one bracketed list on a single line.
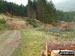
[(66, 16)]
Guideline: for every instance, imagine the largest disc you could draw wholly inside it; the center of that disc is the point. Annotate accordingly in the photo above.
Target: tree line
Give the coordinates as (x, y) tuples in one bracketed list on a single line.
[(36, 9), (66, 16), (42, 10), (12, 8)]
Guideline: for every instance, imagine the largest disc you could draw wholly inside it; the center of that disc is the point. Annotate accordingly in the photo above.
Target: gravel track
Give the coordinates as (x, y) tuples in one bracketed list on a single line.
[(8, 46)]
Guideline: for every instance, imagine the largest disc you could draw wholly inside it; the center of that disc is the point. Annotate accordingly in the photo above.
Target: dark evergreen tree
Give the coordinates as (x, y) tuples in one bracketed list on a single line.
[(46, 12), (30, 9), (42, 10), (12, 8)]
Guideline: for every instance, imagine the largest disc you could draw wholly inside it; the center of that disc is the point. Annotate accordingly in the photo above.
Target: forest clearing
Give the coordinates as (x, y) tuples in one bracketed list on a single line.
[(38, 28), (21, 42), (32, 40)]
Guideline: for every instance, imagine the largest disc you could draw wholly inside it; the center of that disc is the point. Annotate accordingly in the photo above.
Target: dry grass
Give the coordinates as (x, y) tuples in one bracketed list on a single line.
[(33, 42)]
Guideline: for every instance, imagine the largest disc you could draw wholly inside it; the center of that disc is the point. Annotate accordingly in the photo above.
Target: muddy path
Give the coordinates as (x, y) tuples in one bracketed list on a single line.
[(5, 33), (8, 46)]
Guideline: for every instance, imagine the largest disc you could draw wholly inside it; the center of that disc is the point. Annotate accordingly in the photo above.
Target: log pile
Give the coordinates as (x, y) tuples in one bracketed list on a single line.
[(16, 27), (63, 25), (48, 26), (59, 46)]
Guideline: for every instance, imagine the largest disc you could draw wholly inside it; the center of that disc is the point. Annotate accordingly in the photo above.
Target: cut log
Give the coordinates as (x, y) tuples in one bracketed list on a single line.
[(59, 46)]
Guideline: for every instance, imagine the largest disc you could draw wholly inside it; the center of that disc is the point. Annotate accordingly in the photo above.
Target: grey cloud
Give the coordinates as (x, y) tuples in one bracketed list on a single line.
[(67, 5)]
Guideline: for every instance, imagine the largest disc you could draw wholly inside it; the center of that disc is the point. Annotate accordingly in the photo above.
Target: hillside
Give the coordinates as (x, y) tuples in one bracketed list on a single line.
[(12, 21), (66, 16), (18, 22), (20, 41)]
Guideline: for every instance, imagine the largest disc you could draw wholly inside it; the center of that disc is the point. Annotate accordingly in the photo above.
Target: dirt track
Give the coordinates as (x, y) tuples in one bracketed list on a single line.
[(5, 33), (8, 46)]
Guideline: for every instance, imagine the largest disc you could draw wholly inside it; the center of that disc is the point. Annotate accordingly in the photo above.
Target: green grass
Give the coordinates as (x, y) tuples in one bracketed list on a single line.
[(33, 42)]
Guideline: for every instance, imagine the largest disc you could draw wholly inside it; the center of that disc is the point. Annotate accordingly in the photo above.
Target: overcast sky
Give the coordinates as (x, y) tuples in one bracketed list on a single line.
[(24, 2), (65, 5)]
